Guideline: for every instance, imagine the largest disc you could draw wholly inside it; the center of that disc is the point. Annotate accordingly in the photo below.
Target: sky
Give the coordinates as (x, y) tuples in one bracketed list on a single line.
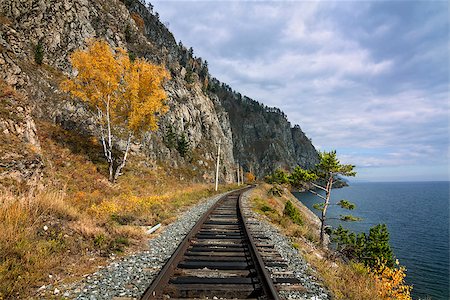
[(367, 78)]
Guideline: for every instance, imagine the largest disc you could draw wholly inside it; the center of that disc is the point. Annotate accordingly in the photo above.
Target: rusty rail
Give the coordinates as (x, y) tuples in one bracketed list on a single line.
[(217, 258)]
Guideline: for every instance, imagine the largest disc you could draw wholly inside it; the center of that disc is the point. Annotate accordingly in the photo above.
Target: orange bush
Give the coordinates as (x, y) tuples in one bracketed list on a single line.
[(249, 177), (391, 282)]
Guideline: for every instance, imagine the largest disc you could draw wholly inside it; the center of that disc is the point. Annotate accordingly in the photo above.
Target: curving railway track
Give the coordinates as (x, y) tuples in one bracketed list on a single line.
[(219, 258)]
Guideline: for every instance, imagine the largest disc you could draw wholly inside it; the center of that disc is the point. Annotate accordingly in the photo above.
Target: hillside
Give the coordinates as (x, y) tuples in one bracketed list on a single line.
[(202, 109)]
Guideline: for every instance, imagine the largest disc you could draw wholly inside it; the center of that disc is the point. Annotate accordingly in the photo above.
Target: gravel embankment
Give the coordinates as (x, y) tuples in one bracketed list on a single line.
[(128, 277), (296, 265), (131, 275)]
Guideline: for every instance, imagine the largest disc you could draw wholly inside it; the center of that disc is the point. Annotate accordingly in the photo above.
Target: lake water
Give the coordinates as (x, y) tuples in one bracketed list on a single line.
[(417, 216)]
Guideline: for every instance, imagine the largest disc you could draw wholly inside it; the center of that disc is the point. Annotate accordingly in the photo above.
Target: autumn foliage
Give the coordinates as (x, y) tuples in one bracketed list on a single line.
[(125, 96), (249, 177), (390, 281)]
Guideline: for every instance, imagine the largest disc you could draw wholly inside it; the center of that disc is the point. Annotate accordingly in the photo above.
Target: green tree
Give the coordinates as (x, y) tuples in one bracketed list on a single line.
[(378, 248), (327, 170), (170, 138), (369, 249), (293, 213), (278, 176), (39, 52), (183, 145), (348, 243)]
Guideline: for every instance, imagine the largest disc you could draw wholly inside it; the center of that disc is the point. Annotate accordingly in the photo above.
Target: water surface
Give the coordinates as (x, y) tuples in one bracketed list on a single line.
[(417, 216)]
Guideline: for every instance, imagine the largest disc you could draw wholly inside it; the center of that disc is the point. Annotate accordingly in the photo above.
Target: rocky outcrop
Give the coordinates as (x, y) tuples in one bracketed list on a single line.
[(20, 152), (263, 138), (198, 115)]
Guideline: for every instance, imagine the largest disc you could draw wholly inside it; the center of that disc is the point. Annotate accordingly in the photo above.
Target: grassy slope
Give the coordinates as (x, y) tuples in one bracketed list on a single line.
[(343, 280), (78, 218)]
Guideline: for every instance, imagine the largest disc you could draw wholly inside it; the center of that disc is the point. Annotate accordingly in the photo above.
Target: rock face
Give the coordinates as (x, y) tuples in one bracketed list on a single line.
[(20, 156), (263, 137), (198, 114)]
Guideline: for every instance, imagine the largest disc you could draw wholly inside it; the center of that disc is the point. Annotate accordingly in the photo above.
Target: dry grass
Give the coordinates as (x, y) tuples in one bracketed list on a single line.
[(85, 217), (344, 280), (139, 21), (347, 281), (25, 246)]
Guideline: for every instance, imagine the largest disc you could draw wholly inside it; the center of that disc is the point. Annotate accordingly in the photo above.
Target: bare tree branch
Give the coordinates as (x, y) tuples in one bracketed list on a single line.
[(318, 186), (317, 194)]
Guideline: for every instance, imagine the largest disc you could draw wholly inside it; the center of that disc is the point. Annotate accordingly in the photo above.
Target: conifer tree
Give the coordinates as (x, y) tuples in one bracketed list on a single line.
[(170, 138), (183, 145), (327, 170)]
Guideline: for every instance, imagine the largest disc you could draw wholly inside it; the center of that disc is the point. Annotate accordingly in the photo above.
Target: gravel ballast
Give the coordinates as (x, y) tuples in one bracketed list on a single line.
[(129, 276), (296, 264)]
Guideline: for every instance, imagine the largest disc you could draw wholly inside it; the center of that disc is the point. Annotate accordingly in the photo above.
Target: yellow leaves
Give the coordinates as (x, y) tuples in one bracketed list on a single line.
[(145, 95), (107, 79), (391, 282), (98, 73), (249, 177), (129, 204)]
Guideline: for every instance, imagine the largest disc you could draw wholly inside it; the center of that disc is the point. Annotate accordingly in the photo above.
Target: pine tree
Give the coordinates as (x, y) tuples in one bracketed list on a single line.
[(327, 170), (377, 246), (183, 145), (170, 138)]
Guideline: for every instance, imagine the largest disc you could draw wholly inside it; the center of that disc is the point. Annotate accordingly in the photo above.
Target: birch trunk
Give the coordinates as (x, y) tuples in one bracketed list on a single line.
[(124, 159), (110, 159)]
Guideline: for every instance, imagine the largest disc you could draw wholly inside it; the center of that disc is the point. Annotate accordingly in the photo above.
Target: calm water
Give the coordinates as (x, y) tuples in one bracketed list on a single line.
[(417, 216)]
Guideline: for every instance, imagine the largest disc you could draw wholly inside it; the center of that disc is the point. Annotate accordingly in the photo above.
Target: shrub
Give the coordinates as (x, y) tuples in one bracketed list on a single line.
[(266, 208), (249, 177), (276, 191), (39, 52), (390, 281), (132, 56), (293, 213)]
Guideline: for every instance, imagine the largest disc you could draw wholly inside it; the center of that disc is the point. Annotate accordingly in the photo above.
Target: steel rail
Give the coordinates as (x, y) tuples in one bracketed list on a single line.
[(164, 275), (155, 290), (267, 282)]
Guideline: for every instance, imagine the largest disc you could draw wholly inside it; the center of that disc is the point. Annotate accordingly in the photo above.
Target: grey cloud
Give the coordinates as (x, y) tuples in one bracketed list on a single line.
[(368, 78)]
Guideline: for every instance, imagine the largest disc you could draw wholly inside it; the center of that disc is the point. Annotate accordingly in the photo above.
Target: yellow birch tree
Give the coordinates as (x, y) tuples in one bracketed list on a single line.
[(125, 96)]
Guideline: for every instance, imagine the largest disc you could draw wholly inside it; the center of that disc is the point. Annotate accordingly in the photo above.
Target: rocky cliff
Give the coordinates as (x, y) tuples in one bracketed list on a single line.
[(263, 138), (201, 111)]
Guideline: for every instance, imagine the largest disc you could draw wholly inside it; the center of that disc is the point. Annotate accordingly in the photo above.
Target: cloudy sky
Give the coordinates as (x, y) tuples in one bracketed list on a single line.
[(367, 78)]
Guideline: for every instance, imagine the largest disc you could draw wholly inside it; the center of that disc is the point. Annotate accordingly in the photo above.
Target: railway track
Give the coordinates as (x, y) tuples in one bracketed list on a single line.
[(219, 258)]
